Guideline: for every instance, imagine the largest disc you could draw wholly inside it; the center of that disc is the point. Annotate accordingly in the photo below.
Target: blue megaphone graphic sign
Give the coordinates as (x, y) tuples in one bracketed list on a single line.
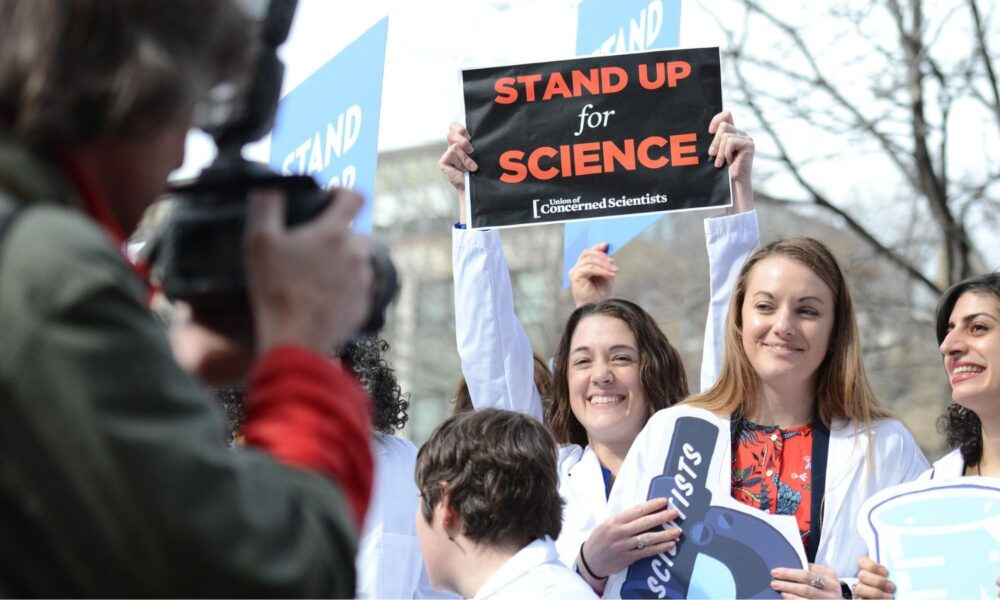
[(727, 549)]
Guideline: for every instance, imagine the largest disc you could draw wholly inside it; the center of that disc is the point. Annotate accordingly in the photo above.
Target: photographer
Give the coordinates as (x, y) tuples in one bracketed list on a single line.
[(114, 476)]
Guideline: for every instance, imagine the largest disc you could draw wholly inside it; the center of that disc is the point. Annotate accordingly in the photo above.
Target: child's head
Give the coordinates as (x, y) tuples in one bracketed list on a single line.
[(489, 476)]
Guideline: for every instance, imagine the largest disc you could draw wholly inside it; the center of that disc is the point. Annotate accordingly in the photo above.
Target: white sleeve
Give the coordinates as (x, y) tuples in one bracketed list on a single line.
[(497, 360), (730, 241)]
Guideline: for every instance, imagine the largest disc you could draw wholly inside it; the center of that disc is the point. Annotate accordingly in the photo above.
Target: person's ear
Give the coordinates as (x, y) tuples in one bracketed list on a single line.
[(451, 522)]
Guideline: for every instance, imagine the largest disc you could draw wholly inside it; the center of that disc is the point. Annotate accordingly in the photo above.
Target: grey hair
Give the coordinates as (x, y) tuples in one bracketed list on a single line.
[(73, 71)]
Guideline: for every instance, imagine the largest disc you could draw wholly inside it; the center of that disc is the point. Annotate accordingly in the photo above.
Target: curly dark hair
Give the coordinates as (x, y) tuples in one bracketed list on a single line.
[(963, 430), (365, 356), (231, 399), (961, 426)]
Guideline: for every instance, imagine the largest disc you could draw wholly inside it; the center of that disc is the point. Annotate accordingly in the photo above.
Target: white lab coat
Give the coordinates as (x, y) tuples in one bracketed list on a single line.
[(949, 466), (895, 459), (389, 563), (535, 572), (498, 365)]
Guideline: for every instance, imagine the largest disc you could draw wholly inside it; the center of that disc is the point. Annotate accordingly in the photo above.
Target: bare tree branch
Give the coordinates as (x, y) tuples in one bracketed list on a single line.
[(861, 232), (956, 264), (822, 81), (819, 199), (985, 54)]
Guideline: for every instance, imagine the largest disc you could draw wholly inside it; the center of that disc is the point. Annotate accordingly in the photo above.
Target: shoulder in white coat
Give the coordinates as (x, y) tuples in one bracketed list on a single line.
[(949, 466), (581, 485), (535, 572), (389, 563), (856, 470)]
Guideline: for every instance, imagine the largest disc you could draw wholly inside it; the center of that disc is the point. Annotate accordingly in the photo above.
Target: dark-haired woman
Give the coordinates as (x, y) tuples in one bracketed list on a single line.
[(968, 332), (388, 562), (614, 367)]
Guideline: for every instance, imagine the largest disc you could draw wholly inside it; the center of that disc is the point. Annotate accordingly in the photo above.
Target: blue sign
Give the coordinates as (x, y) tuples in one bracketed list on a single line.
[(327, 127), (613, 27)]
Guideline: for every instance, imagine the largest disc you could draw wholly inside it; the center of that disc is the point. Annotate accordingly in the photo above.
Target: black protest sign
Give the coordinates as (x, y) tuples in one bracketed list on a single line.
[(594, 137)]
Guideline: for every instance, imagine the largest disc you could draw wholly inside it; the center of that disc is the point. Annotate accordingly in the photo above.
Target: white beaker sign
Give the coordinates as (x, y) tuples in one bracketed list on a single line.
[(939, 539)]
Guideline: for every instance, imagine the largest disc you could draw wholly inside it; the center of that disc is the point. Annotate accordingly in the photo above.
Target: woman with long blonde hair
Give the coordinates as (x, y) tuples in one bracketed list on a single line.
[(809, 437)]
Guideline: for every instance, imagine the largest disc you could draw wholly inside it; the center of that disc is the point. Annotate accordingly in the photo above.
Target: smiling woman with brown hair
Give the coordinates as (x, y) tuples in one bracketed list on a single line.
[(809, 438)]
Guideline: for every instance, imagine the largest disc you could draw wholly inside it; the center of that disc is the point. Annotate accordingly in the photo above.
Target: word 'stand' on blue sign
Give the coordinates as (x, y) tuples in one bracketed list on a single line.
[(327, 127), (613, 27)]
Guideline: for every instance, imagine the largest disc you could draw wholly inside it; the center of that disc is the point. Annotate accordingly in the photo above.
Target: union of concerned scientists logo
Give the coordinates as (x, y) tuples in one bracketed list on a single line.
[(557, 206)]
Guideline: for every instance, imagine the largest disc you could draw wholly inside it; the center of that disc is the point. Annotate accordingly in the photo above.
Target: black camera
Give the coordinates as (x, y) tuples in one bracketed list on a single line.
[(198, 255)]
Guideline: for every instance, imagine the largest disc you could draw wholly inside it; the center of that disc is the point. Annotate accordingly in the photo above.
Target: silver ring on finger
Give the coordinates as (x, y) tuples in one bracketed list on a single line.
[(818, 582), (639, 543)]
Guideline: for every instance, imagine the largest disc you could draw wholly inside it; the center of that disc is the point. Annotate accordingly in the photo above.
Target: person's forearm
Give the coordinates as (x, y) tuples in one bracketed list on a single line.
[(730, 240), (497, 359)]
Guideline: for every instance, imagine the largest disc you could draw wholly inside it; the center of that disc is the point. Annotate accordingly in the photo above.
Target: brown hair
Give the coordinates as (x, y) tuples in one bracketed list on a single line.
[(462, 401), (72, 71), (661, 370), (842, 388), (497, 471)]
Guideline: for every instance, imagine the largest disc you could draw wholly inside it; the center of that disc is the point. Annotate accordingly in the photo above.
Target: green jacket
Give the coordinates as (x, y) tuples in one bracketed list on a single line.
[(114, 477)]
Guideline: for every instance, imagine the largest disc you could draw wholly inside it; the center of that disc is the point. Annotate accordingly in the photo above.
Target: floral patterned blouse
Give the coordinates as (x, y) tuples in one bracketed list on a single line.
[(772, 470)]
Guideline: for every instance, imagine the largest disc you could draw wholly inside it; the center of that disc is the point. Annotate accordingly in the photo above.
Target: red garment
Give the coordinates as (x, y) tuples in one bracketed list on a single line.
[(95, 204), (772, 471), (309, 414)]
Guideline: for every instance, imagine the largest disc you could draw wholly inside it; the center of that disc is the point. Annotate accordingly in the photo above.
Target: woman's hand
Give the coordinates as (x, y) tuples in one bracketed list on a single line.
[(734, 147), (816, 582), (456, 162), (592, 278), (873, 580), (625, 538)]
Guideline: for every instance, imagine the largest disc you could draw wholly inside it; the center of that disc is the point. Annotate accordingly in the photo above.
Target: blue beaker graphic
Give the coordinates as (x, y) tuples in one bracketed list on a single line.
[(941, 542)]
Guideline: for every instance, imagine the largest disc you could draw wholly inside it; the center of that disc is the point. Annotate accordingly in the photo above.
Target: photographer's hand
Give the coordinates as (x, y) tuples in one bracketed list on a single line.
[(311, 285)]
